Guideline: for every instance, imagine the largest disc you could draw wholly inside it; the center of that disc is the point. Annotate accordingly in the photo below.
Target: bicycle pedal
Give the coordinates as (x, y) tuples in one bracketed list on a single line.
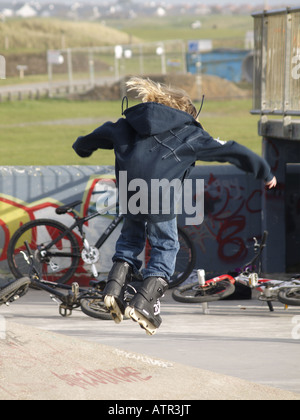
[(64, 311)]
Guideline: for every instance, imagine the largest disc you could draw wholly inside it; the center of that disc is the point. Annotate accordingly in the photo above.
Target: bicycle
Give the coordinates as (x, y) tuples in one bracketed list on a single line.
[(286, 292), (14, 290), (223, 286), (90, 300), (59, 250)]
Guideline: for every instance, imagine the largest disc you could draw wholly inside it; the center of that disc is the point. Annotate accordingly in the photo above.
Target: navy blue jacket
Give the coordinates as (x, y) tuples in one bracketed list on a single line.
[(155, 141)]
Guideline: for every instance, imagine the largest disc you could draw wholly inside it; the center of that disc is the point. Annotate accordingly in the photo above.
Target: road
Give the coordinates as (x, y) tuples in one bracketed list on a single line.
[(241, 339), (44, 86)]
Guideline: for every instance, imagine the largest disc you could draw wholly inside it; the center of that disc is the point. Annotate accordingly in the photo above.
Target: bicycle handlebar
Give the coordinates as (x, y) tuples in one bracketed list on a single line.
[(258, 248)]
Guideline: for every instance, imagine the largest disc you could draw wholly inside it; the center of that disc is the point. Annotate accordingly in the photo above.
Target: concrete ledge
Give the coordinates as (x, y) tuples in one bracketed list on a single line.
[(41, 365)]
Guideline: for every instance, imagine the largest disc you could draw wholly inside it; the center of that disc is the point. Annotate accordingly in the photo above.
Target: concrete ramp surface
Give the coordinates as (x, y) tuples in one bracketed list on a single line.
[(41, 365)]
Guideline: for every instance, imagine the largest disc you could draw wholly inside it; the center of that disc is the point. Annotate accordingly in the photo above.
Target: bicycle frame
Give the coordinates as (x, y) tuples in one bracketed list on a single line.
[(79, 222), (273, 287), (248, 276), (68, 301)]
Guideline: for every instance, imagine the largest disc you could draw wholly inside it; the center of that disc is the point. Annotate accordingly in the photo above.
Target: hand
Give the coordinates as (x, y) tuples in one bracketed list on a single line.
[(271, 184)]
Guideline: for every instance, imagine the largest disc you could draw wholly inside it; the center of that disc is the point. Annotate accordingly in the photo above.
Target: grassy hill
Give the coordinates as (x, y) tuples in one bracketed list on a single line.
[(39, 35)]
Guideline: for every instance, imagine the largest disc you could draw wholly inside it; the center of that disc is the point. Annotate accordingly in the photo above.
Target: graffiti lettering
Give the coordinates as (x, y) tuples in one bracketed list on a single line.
[(226, 207), (15, 213), (229, 201), (227, 236), (92, 378)]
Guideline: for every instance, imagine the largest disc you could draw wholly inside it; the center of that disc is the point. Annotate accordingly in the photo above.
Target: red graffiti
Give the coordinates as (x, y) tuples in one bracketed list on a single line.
[(225, 219), (92, 378), (14, 213)]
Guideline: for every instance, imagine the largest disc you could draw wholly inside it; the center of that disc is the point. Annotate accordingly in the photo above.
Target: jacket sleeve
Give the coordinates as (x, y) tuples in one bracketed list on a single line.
[(209, 149), (101, 138)]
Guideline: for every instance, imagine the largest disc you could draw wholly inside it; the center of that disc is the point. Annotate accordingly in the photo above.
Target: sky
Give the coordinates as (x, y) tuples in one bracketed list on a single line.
[(211, 2), (208, 2), (268, 4)]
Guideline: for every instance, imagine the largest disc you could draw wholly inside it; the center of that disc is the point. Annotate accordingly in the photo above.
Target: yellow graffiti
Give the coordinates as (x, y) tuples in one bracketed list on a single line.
[(12, 217), (15, 213)]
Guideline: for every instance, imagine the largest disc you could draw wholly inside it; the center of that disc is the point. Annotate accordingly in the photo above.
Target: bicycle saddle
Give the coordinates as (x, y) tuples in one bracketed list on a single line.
[(67, 207)]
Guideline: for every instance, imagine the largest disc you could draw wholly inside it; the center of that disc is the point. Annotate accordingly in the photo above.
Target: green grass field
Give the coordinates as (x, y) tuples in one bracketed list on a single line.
[(42, 132), (37, 133), (226, 31)]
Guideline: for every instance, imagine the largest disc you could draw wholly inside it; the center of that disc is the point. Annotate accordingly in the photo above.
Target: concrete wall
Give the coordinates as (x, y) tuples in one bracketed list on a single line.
[(223, 240), (233, 211), (281, 216)]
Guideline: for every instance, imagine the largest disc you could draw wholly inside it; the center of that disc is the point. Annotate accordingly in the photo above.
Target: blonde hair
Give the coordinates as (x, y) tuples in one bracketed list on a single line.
[(150, 91)]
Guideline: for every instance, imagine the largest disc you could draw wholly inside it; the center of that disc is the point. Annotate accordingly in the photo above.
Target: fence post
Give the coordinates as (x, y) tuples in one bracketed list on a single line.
[(2, 67), (70, 69)]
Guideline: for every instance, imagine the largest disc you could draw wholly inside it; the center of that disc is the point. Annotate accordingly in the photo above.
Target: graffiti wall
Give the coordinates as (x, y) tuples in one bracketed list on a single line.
[(232, 218), (224, 240), (30, 193)]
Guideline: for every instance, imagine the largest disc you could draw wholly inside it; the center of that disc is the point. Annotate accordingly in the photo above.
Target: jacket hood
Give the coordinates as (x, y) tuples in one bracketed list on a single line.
[(152, 118)]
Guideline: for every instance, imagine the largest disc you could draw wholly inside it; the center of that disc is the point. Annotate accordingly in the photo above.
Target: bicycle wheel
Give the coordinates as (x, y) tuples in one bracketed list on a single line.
[(289, 296), (185, 260), (95, 308), (14, 290), (56, 250), (194, 293)]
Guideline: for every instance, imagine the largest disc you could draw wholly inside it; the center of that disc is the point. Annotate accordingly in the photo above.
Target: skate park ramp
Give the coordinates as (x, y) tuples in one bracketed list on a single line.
[(41, 365)]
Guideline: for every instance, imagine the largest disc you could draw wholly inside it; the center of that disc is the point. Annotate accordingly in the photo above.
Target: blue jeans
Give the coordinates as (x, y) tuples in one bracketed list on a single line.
[(163, 239)]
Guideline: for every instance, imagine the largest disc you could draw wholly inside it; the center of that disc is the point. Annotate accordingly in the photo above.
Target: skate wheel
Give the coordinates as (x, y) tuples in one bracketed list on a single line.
[(141, 320), (115, 318), (113, 307), (108, 301)]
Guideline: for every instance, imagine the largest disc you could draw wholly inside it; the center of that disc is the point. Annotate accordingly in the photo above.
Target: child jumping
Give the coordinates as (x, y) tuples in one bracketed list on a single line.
[(159, 138)]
